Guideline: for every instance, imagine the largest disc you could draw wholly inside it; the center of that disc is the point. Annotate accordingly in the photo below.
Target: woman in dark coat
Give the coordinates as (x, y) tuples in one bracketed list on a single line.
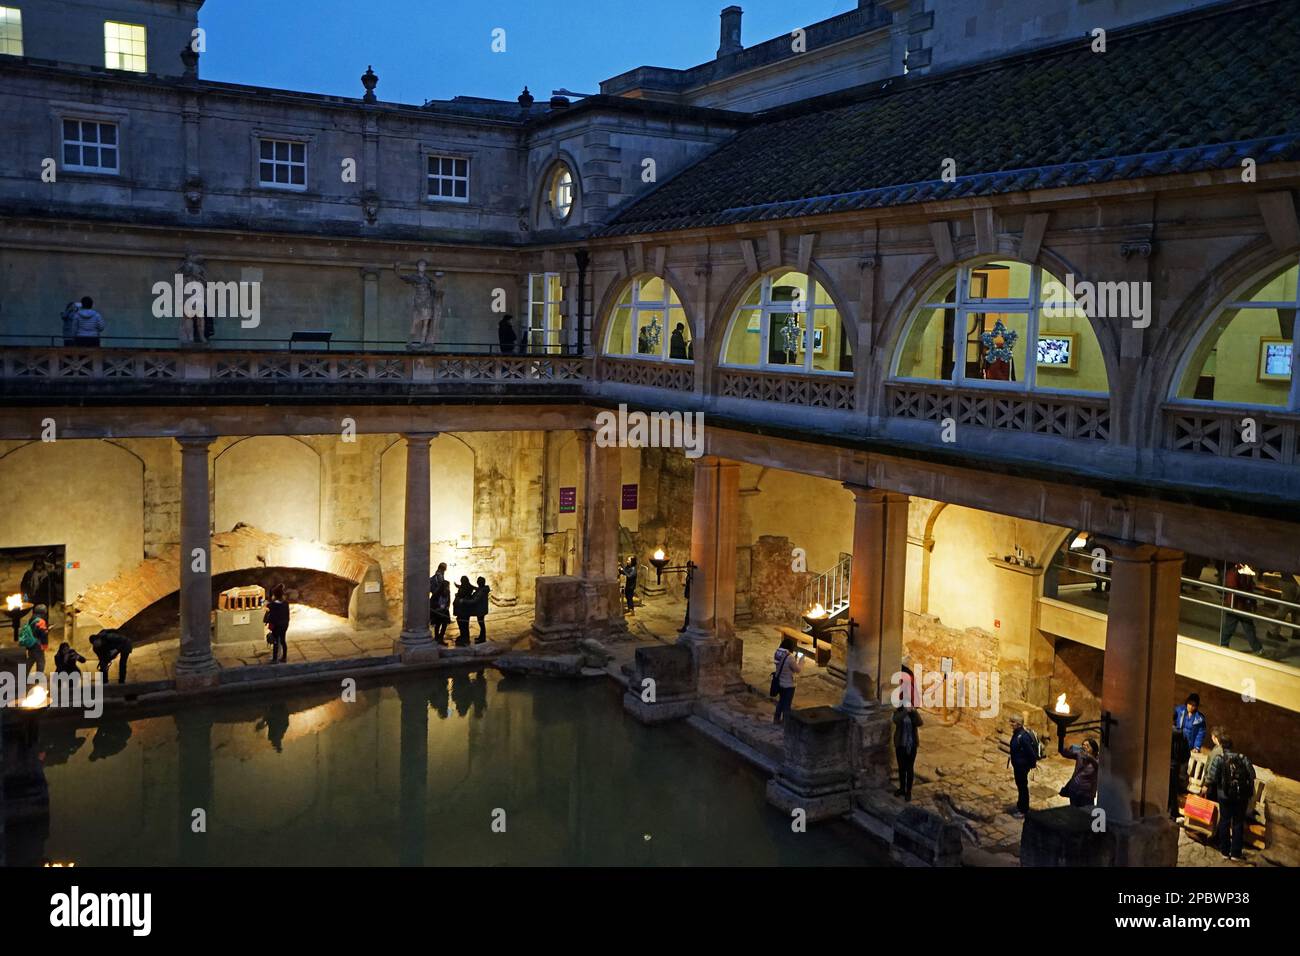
[(1082, 788), (906, 742), (276, 619), (440, 603), (462, 608), (481, 608)]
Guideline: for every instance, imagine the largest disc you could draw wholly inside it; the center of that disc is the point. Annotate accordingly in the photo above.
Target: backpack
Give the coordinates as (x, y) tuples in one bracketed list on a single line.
[(1031, 745), (1235, 781), (27, 636)]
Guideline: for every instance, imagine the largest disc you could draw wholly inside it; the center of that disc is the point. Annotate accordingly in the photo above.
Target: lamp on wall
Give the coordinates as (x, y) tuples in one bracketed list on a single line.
[(659, 560)]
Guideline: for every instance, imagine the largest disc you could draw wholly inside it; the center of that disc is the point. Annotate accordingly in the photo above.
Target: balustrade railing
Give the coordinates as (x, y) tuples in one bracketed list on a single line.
[(1245, 433), (679, 378), (810, 391), (1064, 416)]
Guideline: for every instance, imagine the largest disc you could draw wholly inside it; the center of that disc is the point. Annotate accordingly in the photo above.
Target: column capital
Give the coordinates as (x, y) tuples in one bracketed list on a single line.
[(420, 437), (195, 443), (1124, 550), (870, 494)]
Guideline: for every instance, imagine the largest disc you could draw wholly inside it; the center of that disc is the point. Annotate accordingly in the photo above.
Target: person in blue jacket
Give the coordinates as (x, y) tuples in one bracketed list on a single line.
[(1189, 720)]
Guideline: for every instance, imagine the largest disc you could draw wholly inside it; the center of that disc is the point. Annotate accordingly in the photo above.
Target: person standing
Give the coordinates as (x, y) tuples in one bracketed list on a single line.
[(677, 342), (87, 325), (1081, 788), (628, 573), (69, 318), (462, 607), (276, 619), (789, 662), (1179, 754), (440, 603), (1190, 722), (480, 608), (1023, 758), (506, 336), (907, 720), (108, 645), (1239, 578), (1230, 779), (34, 638)]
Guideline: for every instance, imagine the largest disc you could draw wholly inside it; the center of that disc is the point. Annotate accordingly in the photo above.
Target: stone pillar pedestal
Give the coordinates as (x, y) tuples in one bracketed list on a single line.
[(815, 774), (195, 667), (566, 608), (662, 686), (871, 747), (1067, 836), (416, 643), (877, 587)]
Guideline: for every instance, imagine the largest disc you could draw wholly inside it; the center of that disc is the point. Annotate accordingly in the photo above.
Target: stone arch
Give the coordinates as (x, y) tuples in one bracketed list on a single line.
[(272, 482), (614, 291), (731, 299), (87, 495), (452, 472), (911, 296), (1195, 316), (113, 602)]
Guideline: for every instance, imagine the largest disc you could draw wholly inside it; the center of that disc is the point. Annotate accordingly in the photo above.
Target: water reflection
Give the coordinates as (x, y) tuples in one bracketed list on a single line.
[(310, 779)]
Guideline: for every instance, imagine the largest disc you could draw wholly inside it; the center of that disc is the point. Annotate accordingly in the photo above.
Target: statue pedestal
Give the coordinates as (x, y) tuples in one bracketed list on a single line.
[(815, 774), (662, 685), (567, 608)]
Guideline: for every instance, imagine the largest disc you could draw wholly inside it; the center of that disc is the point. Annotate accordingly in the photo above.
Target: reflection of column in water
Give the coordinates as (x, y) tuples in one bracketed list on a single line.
[(194, 783), (413, 773)]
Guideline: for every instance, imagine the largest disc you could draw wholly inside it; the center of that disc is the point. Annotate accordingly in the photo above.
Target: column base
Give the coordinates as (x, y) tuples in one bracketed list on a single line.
[(197, 675), (870, 745), (662, 684), (1064, 836), (815, 773), (415, 648)]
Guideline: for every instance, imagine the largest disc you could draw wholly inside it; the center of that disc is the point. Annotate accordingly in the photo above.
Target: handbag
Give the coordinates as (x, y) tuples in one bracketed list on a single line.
[(776, 677)]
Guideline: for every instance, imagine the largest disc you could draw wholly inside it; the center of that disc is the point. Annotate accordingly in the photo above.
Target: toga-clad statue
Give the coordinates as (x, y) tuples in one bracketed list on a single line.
[(426, 305), (194, 328)]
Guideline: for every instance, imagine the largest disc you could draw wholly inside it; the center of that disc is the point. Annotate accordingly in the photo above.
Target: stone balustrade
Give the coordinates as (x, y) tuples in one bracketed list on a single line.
[(1249, 434), (1085, 418)]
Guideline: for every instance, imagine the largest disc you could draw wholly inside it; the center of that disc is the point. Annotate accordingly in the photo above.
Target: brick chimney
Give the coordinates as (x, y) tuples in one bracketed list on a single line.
[(729, 37)]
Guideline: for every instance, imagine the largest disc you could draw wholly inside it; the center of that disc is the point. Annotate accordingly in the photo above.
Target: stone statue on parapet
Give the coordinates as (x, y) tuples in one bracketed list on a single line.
[(426, 305), (195, 327)]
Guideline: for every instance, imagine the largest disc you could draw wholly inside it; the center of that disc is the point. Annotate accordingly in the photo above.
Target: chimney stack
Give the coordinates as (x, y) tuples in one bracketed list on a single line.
[(729, 38)]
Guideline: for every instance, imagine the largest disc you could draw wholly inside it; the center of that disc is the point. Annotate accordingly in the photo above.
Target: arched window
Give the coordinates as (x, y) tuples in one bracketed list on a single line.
[(559, 192), (787, 321), (1245, 356), (1003, 323), (649, 322)]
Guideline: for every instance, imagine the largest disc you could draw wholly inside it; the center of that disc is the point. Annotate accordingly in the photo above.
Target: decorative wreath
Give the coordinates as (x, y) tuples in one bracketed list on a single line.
[(998, 343)]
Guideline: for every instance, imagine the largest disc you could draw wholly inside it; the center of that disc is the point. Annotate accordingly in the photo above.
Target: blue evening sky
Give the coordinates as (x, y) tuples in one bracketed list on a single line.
[(436, 49)]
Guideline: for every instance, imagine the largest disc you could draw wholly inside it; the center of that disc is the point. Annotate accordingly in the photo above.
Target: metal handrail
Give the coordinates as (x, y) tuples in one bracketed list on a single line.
[(830, 588)]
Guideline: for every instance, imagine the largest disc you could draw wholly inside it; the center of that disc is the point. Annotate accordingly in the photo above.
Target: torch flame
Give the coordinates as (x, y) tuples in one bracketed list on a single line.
[(1062, 705), (659, 554), (1247, 569), (36, 698), (816, 610), (13, 602)]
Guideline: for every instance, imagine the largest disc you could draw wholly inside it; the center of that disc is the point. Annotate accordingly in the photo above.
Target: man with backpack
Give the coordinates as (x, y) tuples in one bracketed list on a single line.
[(1230, 779), (34, 638), (1022, 759)]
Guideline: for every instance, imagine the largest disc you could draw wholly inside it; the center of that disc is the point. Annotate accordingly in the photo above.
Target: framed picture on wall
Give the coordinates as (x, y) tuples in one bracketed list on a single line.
[(819, 340), (1057, 350), (1275, 360)]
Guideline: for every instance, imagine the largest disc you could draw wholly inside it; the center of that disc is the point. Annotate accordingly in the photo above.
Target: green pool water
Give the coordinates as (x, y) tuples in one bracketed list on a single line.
[(416, 773)]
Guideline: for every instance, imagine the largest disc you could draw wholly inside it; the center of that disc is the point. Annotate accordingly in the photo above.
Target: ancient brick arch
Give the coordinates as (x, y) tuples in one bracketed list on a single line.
[(114, 602)]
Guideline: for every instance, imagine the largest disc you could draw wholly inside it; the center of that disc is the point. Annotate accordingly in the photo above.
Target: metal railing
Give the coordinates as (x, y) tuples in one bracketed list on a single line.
[(244, 343), (830, 588)]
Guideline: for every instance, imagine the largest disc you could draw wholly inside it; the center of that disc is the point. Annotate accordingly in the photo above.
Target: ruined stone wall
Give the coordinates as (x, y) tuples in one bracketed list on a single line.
[(927, 641)]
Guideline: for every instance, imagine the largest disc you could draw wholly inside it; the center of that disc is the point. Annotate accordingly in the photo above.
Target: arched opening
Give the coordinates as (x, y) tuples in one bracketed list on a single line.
[(649, 322), (1244, 355), (451, 493), (1004, 323), (787, 321), (271, 482)]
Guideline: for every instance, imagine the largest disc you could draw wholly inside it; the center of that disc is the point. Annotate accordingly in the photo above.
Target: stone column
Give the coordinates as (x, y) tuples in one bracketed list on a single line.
[(711, 616), (195, 667), (369, 306), (876, 597), (598, 544), (416, 643), (1138, 680)]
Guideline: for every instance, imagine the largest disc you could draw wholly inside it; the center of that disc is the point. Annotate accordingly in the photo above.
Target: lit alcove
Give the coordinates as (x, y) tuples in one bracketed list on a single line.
[(787, 321), (271, 482), (1244, 355), (451, 492), (649, 322), (1002, 323)]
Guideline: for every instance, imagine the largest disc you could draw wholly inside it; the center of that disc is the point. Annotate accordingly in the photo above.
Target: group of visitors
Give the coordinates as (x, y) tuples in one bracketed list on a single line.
[(1024, 752), (108, 645), (1229, 777), (470, 601), (82, 325)]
